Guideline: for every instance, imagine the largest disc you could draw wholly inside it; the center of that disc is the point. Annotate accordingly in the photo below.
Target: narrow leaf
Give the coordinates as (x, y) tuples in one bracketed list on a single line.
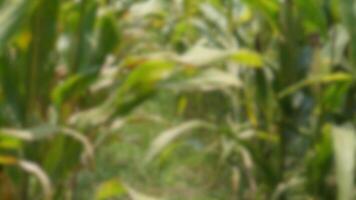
[(344, 142), (168, 136), (10, 19), (36, 170)]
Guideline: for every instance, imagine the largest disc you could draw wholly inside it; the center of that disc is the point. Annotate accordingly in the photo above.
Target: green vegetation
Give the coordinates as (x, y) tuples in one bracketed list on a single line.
[(179, 99)]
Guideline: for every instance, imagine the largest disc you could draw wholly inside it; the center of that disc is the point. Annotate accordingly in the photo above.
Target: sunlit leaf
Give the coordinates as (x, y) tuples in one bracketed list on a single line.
[(201, 56), (248, 58), (38, 172), (145, 8), (110, 189), (214, 15), (212, 79), (17, 133), (344, 142), (140, 84), (10, 143)]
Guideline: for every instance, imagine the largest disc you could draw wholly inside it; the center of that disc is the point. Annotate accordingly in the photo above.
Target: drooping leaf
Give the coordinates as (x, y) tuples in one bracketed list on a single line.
[(208, 80), (329, 78), (140, 84), (33, 169), (88, 148), (17, 133), (168, 136), (201, 56), (41, 175), (72, 87)]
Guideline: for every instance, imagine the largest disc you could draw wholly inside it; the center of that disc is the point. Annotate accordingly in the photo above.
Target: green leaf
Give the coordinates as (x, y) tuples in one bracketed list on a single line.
[(82, 47), (140, 84), (10, 143), (110, 189), (11, 17), (319, 161), (268, 9), (108, 37), (40, 69), (335, 95), (248, 58), (74, 86), (313, 17), (33, 169), (348, 16), (7, 160), (326, 79)]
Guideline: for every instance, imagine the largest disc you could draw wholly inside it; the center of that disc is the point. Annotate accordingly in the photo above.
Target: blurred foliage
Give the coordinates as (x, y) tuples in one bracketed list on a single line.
[(180, 99)]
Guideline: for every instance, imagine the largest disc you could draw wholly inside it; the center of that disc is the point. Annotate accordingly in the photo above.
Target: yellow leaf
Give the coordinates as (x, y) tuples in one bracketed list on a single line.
[(248, 58), (24, 39), (110, 189), (7, 160)]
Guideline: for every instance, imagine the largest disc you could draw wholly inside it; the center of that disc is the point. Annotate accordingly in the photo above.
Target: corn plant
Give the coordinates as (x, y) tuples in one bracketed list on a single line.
[(263, 91)]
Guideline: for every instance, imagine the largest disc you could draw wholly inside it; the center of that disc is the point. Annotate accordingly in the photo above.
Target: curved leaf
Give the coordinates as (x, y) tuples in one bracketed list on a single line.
[(168, 136)]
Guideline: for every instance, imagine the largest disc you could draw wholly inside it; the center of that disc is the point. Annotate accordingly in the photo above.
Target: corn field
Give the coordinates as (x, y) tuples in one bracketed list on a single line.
[(177, 99)]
